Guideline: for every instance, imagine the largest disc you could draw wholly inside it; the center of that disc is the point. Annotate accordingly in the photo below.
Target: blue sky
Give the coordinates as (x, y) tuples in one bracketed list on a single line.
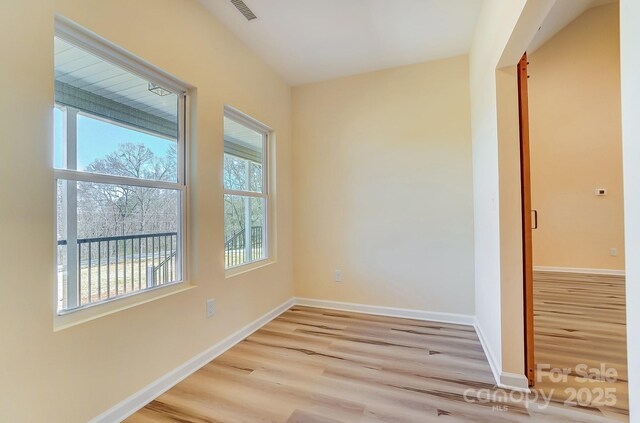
[(96, 139)]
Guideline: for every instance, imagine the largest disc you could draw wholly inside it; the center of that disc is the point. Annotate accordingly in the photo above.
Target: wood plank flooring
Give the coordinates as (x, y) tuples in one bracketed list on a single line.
[(580, 319), (323, 366)]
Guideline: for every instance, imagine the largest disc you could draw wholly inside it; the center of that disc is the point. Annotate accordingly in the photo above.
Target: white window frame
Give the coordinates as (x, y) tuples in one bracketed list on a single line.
[(84, 39), (267, 133)]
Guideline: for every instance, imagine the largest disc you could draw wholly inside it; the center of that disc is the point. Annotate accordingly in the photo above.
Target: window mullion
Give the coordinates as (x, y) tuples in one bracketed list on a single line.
[(70, 157), (265, 164), (247, 215), (245, 193), (79, 176), (181, 139)]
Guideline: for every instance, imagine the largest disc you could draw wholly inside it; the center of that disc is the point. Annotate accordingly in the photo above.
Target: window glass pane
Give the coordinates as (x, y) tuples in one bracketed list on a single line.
[(58, 137), (114, 240), (61, 236), (255, 177), (235, 173), (113, 149), (245, 146), (258, 227), (118, 111), (244, 220)]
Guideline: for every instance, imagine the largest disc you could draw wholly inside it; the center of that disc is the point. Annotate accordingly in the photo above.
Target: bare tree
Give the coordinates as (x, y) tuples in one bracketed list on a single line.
[(105, 209)]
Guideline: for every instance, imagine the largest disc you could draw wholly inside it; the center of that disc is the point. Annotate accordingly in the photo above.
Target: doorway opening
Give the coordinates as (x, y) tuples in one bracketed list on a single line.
[(572, 215)]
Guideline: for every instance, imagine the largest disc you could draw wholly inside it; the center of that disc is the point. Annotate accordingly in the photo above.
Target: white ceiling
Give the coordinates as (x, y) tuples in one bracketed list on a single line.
[(562, 14), (313, 40)]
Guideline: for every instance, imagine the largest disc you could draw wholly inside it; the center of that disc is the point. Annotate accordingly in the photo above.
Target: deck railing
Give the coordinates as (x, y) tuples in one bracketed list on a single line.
[(236, 250), (109, 267)]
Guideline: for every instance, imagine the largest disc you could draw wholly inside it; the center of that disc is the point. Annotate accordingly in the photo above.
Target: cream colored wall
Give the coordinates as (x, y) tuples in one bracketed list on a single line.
[(630, 82), (382, 166), (576, 144), (504, 31), (495, 26), (74, 374), (511, 275)]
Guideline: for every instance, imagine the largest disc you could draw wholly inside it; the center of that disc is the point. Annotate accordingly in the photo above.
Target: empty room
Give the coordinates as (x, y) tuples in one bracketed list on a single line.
[(321, 211)]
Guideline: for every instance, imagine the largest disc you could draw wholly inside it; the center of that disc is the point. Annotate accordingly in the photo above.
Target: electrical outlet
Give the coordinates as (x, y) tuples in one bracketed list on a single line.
[(613, 252), (338, 276), (211, 307)]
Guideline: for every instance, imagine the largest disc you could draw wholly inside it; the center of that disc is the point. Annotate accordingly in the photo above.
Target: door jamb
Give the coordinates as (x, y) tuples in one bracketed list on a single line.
[(527, 236)]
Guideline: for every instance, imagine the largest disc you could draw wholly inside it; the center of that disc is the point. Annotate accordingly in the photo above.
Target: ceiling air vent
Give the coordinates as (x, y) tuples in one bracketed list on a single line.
[(244, 9)]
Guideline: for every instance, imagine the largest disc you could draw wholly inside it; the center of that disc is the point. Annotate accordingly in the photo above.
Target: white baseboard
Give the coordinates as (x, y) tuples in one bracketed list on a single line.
[(582, 270), (133, 403), (493, 364), (514, 381), (130, 405), (434, 316), (506, 380)]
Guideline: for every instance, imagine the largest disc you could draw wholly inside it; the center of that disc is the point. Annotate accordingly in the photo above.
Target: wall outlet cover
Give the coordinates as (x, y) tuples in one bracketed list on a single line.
[(211, 307)]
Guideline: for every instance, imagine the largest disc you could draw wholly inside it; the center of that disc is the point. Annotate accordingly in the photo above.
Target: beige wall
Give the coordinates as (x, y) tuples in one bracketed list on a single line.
[(576, 144), (74, 374), (495, 26), (504, 31), (630, 82), (511, 275), (382, 165)]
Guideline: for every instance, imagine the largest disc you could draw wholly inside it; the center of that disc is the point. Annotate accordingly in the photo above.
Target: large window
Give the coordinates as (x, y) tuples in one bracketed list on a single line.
[(119, 149), (246, 194)]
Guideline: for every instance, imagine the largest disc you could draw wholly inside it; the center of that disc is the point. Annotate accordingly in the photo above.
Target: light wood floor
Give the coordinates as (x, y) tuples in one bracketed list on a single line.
[(321, 366), (580, 319)]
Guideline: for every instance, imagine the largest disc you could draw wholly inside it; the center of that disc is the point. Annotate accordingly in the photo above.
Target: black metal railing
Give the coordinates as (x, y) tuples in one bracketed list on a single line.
[(108, 267), (235, 247)]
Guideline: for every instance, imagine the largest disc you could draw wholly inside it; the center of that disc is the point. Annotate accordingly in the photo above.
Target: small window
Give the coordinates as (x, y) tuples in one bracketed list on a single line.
[(119, 144), (246, 196)]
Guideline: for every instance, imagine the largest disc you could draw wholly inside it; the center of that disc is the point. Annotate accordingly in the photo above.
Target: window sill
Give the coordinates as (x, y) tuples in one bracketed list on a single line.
[(244, 268), (83, 315)]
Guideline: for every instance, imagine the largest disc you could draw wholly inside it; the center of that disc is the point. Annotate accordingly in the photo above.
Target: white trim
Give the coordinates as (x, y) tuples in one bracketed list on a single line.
[(130, 405), (493, 364), (99, 178), (125, 408), (267, 230), (582, 270), (246, 120), (247, 267), (93, 43), (514, 381), (245, 193), (97, 45), (82, 315), (505, 380), (433, 316)]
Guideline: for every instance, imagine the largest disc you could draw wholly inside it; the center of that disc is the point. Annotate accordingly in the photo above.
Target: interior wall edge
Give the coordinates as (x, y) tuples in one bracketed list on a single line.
[(486, 346), (630, 88)]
